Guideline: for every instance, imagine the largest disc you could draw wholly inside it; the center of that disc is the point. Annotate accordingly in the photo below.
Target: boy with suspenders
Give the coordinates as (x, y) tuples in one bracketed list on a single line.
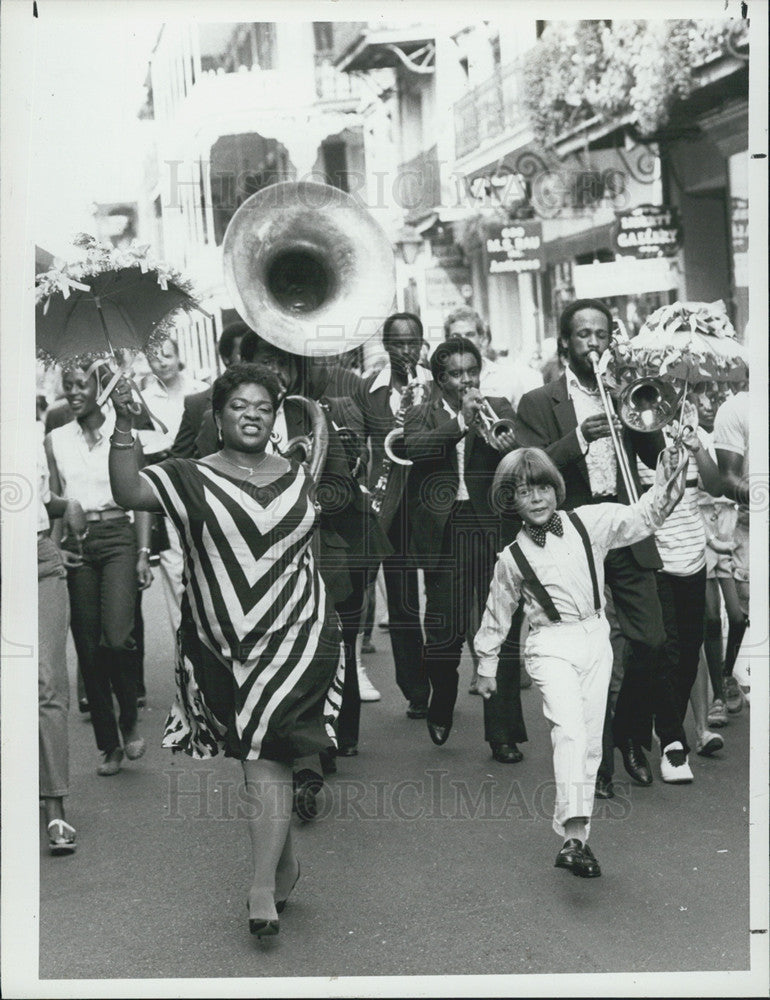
[(555, 567)]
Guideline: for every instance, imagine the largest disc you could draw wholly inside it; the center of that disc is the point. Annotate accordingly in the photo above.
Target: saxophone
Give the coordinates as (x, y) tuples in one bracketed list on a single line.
[(412, 395)]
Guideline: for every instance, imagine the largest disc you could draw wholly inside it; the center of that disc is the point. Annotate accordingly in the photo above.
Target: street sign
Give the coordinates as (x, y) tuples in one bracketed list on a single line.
[(648, 231), (515, 248)]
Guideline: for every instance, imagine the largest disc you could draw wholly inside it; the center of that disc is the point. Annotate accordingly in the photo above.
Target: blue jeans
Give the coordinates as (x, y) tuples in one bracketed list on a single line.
[(102, 603)]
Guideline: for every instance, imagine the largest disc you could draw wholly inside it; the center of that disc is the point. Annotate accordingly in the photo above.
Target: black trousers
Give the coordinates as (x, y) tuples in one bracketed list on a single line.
[(457, 580), (350, 611), (405, 629), (635, 593), (683, 602)]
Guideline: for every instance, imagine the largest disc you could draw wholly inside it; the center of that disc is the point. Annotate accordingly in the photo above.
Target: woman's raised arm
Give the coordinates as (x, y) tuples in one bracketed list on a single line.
[(129, 490)]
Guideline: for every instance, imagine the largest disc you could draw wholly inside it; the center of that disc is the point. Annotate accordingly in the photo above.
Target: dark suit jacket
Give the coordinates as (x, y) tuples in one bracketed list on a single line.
[(431, 436), (546, 419), (186, 443), (379, 421)]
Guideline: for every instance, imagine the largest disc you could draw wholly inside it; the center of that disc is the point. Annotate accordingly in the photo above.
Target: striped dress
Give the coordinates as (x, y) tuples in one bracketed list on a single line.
[(259, 664)]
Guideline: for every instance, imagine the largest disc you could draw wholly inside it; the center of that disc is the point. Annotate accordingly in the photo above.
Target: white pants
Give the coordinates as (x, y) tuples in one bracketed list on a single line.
[(171, 566), (571, 663)]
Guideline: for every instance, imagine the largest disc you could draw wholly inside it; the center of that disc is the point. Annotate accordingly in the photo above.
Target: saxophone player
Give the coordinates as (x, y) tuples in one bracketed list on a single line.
[(384, 399), (456, 447)]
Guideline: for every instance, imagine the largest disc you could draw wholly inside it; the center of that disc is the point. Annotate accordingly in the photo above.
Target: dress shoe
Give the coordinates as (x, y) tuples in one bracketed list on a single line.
[(367, 646), (349, 750), (635, 763), (604, 789), (589, 867), (570, 856), (416, 711), (506, 753), (438, 733)]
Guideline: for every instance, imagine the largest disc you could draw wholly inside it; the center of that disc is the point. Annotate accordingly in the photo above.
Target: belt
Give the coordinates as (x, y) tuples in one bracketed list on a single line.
[(105, 515), (604, 498)]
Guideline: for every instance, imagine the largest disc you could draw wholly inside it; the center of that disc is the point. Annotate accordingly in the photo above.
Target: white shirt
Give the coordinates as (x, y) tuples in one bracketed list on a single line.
[(681, 539), (43, 483), (422, 376), (562, 568), (731, 431), (462, 489), (600, 454), (83, 471), (167, 408)]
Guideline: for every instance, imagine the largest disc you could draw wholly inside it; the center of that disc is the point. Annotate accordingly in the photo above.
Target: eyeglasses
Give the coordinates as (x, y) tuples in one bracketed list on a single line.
[(525, 492)]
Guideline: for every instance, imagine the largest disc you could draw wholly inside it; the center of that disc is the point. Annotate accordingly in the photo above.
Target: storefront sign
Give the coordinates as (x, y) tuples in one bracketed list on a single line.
[(739, 219), (515, 248), (648, 231)]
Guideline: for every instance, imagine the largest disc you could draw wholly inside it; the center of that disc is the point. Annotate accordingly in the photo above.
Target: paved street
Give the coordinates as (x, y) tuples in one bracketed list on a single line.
[(426, 861)]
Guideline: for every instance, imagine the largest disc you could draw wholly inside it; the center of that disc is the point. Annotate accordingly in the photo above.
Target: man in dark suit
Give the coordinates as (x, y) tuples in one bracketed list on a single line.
[(566, 418), (382, 397), (197, 404), (455, 536)]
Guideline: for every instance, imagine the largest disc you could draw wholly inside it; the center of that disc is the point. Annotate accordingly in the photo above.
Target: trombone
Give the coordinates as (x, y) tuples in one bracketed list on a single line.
[(620, 452), (646, 405)]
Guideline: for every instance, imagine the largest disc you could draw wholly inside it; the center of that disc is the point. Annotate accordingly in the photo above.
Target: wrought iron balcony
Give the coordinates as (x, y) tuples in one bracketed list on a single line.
[(488, 111)]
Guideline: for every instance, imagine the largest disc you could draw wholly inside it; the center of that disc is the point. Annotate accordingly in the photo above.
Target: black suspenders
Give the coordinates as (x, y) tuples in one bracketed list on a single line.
[(581, 530), (538, 589)]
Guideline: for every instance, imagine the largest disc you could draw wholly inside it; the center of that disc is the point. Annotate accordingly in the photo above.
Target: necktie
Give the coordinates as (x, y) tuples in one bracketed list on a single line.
[(537, 532)]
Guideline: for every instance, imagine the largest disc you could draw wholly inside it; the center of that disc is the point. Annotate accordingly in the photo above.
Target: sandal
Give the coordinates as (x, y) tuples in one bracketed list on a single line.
[(61, 837)]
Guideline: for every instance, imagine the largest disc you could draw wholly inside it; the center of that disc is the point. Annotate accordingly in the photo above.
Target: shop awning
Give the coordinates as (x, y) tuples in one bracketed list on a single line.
[(377, 48), (624, 277)]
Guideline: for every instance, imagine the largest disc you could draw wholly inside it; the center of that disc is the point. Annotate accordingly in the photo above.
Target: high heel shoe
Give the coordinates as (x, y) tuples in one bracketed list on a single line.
[(261, 927), (280, 904)]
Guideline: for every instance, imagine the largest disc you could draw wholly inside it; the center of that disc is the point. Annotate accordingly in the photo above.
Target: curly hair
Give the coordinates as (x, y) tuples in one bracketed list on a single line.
[(404, 316), (454, 345), (244, 373), (565, 320)]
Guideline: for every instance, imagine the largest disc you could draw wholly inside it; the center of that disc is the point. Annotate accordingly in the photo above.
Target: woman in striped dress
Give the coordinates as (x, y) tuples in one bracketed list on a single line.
[(258, 649)]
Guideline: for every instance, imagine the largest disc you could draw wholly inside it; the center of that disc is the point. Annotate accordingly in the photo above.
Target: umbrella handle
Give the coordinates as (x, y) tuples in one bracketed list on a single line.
[(135, 408)]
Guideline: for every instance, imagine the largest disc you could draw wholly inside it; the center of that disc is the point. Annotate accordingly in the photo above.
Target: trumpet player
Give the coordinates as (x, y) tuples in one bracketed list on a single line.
[(455, 533), (567, 420)]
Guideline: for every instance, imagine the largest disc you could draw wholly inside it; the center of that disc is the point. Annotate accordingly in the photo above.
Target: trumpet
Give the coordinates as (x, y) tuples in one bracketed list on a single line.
[(491, 425)]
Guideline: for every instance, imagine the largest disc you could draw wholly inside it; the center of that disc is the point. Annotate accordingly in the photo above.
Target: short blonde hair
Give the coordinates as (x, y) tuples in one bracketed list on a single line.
[(525, 467)]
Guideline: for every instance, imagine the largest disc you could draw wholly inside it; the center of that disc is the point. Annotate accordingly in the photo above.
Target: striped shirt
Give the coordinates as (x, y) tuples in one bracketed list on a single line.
[(681, 540)]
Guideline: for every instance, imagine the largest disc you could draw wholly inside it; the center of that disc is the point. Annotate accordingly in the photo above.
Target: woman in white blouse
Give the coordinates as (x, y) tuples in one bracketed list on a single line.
[(104, 569)]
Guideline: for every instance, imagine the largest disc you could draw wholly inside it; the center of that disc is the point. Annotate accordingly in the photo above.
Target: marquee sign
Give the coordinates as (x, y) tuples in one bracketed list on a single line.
[(648, 231)]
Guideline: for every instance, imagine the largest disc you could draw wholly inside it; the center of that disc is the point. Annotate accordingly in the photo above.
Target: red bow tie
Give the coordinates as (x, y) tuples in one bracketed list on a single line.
[(537, 532)]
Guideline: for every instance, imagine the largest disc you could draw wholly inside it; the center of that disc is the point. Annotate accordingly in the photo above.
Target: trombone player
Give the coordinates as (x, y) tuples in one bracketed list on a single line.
[(566, 419), (455, 442)]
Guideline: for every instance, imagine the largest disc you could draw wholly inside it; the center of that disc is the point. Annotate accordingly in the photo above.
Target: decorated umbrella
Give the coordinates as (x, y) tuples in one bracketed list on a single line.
[(687, 342), (113, 298)]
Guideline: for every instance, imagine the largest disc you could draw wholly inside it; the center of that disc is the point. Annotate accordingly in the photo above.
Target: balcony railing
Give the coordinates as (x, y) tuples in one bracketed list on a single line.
[(419, 185), (330, 83), (488, 111)]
